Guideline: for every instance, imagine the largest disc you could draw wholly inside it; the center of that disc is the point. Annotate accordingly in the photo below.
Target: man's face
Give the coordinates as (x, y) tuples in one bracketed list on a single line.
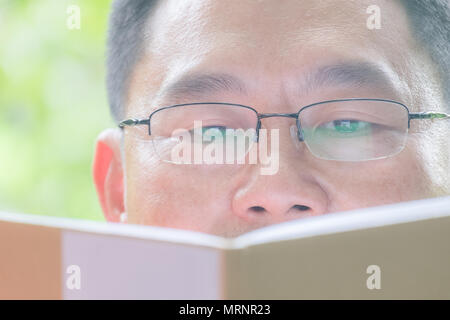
[(273, 48)]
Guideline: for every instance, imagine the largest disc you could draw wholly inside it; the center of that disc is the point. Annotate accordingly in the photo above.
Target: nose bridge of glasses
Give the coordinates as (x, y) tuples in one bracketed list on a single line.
[(271, 115), (285, 115)]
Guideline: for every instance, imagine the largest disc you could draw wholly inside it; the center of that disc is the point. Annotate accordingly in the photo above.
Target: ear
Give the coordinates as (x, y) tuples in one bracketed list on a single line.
[(108, 174)]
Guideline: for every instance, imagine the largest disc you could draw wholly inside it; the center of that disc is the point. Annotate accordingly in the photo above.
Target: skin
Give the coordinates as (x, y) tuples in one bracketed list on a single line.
[(270, 45)]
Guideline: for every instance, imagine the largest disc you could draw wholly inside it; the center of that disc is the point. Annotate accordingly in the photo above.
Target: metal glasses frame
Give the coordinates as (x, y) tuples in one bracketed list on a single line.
[(296, 115)]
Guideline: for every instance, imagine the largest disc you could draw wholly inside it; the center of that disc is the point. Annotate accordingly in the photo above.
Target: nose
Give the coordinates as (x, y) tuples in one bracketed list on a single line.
[(267, 200), (292, 193)]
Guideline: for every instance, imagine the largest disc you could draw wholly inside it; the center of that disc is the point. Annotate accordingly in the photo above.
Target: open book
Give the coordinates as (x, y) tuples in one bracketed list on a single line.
[(394, 251)]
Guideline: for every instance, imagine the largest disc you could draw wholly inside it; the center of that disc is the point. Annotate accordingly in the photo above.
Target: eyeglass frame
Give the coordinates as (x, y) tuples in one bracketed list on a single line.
[(296, 115)]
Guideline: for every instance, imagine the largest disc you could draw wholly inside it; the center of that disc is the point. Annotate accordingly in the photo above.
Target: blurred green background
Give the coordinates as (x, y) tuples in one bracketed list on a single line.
[(52, 105)]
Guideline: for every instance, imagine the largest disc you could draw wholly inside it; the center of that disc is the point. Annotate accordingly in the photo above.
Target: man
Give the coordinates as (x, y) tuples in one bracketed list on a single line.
[(380, 63)]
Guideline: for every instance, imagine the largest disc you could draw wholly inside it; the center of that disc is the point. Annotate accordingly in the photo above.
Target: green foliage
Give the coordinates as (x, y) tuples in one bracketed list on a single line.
[(52, 106)]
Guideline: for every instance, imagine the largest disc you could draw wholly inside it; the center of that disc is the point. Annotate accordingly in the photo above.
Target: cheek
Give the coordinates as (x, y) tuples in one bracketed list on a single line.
[(434, 151), (171, 195), (378, 182)]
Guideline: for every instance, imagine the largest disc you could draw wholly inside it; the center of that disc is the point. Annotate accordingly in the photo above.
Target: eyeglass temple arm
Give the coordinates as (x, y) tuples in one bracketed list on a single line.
[(133, 122), (429, 115)]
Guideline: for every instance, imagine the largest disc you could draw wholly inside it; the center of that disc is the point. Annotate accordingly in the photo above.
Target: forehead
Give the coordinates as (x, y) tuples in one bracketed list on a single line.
[(263, 37), (271, 26)]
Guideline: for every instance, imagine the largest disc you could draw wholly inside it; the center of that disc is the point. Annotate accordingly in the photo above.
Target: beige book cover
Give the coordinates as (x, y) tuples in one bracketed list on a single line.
[(398, 251)]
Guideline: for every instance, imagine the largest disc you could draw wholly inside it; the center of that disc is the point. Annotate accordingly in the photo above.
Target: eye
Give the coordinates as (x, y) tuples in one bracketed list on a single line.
[(349, 125), (214, 130), (346, 127), (210, 133)]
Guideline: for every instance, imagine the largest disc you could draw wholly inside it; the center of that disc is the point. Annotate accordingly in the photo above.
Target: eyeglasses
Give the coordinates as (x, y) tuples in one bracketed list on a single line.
[(343, 130)]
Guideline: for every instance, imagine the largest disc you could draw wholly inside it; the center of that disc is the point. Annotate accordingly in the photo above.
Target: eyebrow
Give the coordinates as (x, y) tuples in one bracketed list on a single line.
[(350, 74), (359, 74), (197, 85)]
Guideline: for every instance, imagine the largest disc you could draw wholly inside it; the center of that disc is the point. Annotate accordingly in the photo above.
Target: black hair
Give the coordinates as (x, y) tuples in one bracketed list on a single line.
[(125, 37), (430, 24), (429, 20)]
